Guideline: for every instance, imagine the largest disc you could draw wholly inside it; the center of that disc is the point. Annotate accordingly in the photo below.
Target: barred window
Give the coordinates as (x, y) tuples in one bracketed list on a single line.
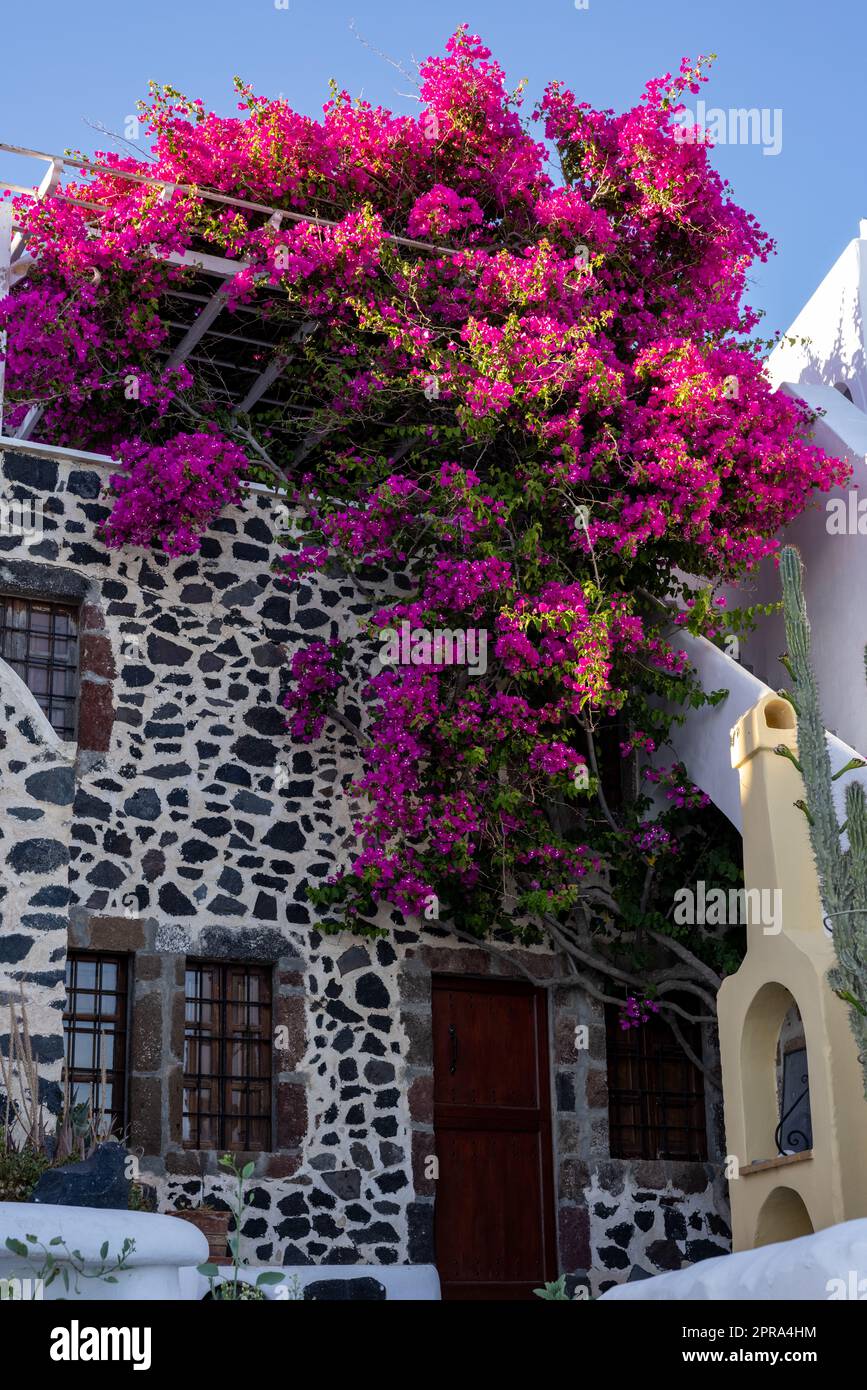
[(655, 1093), (94, 1026), (227, 1057), (39, 640)]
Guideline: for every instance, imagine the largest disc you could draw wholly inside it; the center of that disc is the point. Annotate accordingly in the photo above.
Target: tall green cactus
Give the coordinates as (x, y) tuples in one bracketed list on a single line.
[(842, 872)]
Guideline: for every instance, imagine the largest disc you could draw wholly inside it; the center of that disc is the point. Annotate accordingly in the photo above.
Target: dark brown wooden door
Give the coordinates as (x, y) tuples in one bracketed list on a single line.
[(494, 1214)]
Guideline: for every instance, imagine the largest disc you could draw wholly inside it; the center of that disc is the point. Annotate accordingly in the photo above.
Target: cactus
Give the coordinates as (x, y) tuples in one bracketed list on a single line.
[(842, 871)]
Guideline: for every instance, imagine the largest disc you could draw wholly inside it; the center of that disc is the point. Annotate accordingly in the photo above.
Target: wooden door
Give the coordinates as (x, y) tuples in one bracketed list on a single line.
[(494, 1212)]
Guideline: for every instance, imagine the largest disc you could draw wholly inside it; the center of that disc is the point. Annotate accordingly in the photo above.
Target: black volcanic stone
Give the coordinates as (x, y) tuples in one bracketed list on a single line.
[(56, 784), (106, 875), (565, 1088), (675, 1225), (379, 1073), (83, 484), (55, 895), (604, 1212), (665, 1254), (342, 1041), (37, 473), (173, 902), (613, 1258), (421, 1232), (43, 921), (143, 805), (391, 1182), (365, 1290), (621, 1234), (14, 947), (161, 652), (703, 1250), (99, 1181), (198, 852), (284, 836), (258, 752), (309, 618), (385, 953), (371, 993), (90, 807), (38, 856), (230, 881)]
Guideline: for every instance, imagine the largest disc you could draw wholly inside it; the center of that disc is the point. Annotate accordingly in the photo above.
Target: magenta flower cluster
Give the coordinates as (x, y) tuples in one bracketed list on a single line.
[(520, 431)]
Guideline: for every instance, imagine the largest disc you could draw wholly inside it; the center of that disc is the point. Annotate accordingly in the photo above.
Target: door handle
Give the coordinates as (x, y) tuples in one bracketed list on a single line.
[(453, 1034)]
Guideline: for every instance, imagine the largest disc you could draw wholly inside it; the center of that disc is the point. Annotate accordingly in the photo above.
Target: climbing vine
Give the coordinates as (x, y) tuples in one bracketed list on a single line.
[(524, 394)]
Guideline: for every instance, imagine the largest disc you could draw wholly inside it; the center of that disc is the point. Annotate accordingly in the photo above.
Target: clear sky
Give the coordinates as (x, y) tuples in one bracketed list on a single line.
[(64, 63)]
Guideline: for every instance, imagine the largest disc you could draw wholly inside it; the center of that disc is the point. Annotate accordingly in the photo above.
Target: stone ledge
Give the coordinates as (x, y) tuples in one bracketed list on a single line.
[(761, 1165)]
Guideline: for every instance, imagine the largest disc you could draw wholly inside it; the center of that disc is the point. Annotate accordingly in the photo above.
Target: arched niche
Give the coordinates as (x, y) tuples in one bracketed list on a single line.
[(795, 1128), (770, 1026), (783, 1216)]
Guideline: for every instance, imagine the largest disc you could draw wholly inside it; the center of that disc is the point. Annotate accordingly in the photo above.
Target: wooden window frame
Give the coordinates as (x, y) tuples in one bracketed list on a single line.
[(16, 641), (78, 1022), (252, 1126), (651, 1117)]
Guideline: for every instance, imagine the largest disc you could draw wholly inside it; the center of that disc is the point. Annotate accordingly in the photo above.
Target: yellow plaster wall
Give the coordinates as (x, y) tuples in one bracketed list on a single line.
[(791, 1195)]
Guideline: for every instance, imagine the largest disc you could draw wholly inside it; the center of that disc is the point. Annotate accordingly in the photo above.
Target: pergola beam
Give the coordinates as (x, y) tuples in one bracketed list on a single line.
[(274, 369), (198, 328), (212, 196)]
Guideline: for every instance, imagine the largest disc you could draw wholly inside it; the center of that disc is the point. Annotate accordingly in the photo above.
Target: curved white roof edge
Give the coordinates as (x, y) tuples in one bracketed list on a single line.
[(703, 740)]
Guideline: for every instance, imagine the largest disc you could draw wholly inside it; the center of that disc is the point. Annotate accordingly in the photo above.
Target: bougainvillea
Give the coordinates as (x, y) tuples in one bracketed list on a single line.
[(514, 435)]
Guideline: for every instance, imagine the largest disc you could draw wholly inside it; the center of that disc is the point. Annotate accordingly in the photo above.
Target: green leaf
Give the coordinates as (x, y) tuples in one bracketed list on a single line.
[(208, 1270), (270, 1278), (16, 1246), (103, 1250), (56, 1240), (248, 1170)]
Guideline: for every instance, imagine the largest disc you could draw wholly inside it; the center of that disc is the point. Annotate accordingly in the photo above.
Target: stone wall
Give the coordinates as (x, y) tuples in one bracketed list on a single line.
[(194, 830)]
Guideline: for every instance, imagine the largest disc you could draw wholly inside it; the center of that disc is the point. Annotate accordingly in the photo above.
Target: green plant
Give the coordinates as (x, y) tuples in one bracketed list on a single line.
[(556, 1292), (842, 870), (142, 1197), (240, 1291), (211, 1271), (20, 1171), (27, 1148), (70, 1262)]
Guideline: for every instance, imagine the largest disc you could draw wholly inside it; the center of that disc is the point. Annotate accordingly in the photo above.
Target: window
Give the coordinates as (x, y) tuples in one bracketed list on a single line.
[(39, 640), (655, 1093), (94, 1025), (227, 1057)]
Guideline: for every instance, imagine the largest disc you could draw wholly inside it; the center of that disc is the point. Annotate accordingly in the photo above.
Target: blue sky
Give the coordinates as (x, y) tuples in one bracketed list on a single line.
[(67, 62)]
